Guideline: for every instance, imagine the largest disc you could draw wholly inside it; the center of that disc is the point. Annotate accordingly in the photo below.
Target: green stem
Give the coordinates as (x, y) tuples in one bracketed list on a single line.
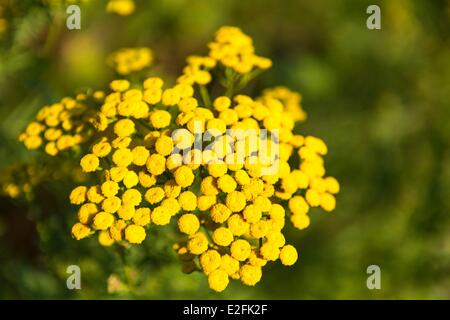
[(205, 96)]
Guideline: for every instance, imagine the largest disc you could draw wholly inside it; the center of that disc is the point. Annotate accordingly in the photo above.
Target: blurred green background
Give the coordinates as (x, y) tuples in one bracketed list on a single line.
[(379, 98)]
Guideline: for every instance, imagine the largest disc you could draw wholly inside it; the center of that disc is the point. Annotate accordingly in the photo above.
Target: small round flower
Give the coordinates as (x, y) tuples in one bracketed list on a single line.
[(187, 200), (327, 202), (154, 195), (116, 230), (188, 223), (184, 176), (242, 177), (156, 164), (140, 155), (210, 261), (269, 251), (170, 97), (217, 169), (252, 213), (78, 195), (240, 250), (172, 206), (146, 180), (312, 197), (122, 157), (276, 237), (111, 204), (237, 225), (118, 173), (226, 183), (332, 185), (229, 264), (218, 280), (206, 202), (126, 212), (298, 205), (161, 216), (276, 211), (300, 221), (250, 275), (80, 231), (222, 103), (220, 213), (119, 85), (198, 243), (101, 149), (172, 189), (86, 212), (288, 255), (124, 128), (104, 238), (164, 145), (222, 236), (259, 229), (135, 234), (256, 260), (142, 216), (131, 179), (208, 186), (262, 203), (160, 119), (89, 163), (132, 197), (103, 220), (94, 194), (236, 201), (109, 188)]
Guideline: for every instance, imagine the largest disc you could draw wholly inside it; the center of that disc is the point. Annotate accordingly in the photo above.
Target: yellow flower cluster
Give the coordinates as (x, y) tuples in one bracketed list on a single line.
[(121, 7), (129, 60), (227, 169), (231, 50), (62, 125)]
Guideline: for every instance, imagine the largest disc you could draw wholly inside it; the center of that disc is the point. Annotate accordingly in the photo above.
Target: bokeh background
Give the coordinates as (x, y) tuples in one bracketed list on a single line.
[(379, 98)]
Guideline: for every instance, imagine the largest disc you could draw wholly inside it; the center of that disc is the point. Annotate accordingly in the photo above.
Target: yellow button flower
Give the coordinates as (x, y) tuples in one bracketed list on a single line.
[(161, 216), (187, 201), (250, 275), (222, 236), (236, 201), (160, 119), (135, 234), (210, 261), (80, 231), (184, 176), (218, 280), (103, 220), (240, 250), (288, 255), (188, 224), (122, 157), (198, 243), (89, 163)]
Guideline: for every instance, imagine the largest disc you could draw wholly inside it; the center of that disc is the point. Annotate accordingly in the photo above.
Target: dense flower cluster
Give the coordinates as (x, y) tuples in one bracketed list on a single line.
[(128, 60), (230, 196), (63, 125)]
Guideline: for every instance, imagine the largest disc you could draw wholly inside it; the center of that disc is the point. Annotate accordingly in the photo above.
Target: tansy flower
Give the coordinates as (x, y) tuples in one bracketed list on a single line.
[(188, 224), (288, 255), (218, 280), (135, 234), (195, 156), (89, 163)]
